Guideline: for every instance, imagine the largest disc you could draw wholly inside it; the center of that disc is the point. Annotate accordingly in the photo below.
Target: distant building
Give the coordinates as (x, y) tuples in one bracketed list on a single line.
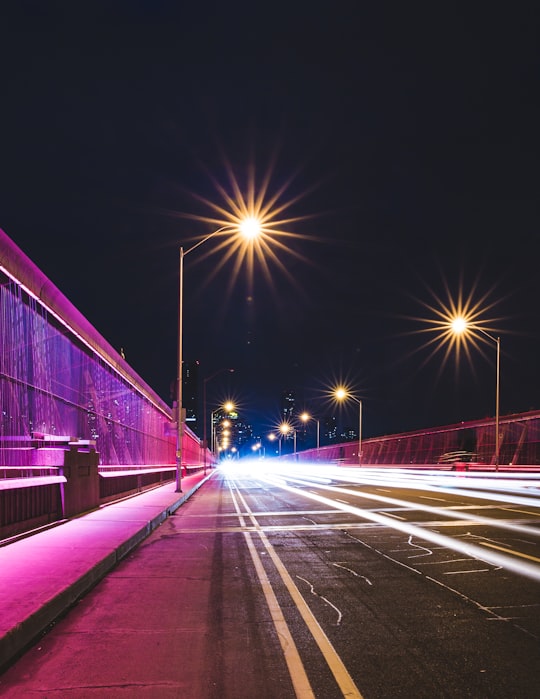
[(287, 410), (329, 429), (350, 434), (190, 392)]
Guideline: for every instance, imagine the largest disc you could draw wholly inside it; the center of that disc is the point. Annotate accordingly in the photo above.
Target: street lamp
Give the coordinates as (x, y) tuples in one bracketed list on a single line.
[(205, 381), (305, 417), (285, 428), (342, 394), (249, 228), (459, 326), (271, 437)]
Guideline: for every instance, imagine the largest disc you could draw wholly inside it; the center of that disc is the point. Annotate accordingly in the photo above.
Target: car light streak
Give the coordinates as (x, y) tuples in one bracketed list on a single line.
[(508, 562), (445, 513), (434, 481), (449, 483)]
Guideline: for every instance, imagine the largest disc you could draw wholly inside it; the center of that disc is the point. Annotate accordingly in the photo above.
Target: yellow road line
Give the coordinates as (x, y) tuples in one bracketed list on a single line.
[(299, 678), (522, 512), (338, 669), (514, 553)]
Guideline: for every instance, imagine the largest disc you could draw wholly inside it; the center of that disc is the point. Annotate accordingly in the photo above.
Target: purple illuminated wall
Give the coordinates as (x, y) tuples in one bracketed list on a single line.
[(59, 377)]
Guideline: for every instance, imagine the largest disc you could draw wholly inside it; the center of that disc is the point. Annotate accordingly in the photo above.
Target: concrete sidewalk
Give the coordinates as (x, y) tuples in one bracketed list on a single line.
[(43, 575)]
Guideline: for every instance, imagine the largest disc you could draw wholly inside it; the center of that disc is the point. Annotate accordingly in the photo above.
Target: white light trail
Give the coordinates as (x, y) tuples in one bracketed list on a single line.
[(479, 552)]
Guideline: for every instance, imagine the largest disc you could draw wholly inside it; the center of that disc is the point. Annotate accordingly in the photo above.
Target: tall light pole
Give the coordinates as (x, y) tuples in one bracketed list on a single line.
[(249, 228), (342, 394), (305, 417), (460, 326), (285, 428), (205, 381), (271, 437)]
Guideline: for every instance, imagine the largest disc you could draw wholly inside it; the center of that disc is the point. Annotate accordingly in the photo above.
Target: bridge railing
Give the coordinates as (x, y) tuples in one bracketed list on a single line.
[(71, 407), (473, 442)]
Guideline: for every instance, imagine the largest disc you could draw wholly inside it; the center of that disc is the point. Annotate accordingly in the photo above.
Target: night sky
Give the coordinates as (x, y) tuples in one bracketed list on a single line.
[(402, 138)]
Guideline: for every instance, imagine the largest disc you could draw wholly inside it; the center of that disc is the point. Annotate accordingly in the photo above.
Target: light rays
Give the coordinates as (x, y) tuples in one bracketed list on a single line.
[(458, 325), (251, 219)]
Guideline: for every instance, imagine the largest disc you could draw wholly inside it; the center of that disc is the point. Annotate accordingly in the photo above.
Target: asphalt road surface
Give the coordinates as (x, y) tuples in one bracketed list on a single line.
[(313, 582)]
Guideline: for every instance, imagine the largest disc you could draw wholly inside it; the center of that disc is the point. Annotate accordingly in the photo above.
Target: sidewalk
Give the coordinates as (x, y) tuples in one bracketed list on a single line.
[(43, 575)]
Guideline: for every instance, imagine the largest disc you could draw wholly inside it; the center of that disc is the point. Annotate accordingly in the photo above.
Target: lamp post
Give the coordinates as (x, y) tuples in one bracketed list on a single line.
[(249, 228), (342, 394), (284, 429), (460, 326), (205, 381), (305, 417), (271, 438)]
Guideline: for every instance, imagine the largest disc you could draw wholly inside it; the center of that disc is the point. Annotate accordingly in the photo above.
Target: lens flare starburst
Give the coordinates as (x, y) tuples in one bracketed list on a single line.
[(458, 326), (250, 219)]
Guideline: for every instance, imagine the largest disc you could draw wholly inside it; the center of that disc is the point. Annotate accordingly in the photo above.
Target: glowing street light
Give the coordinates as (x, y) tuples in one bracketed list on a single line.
[(305, 417), (341, 394), (461, 326), (233, 227), (286, 428), (271, 438), (250, 227)]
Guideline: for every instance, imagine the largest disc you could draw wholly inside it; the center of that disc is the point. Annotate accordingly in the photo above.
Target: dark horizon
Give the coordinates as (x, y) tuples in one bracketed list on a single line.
[(404, 146)]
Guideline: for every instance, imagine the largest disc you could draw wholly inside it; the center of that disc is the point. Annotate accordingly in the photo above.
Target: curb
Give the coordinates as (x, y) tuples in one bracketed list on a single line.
[(18, 639)]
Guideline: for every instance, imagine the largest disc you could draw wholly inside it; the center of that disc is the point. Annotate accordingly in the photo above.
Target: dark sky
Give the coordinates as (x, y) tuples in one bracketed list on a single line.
[(406, 134)]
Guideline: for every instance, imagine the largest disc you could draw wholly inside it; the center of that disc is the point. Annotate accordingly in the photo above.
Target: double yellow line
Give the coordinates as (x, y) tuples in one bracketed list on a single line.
[(296, 668)]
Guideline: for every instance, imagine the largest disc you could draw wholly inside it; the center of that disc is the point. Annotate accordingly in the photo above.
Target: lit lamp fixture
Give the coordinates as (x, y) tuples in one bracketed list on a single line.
[(247, 228), (272, 437), (306, 417), (341, 394), (460, 325), (285, 428)]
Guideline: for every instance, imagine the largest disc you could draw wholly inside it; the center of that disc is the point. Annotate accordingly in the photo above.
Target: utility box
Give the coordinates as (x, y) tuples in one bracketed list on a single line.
[(81, 490)]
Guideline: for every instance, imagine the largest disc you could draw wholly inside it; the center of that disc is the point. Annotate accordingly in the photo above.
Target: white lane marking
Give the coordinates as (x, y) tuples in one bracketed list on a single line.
[(466, 572), (426, 497)]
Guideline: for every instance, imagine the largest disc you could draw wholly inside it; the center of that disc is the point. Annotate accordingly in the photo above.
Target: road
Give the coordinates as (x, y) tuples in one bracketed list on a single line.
[(313, 582)]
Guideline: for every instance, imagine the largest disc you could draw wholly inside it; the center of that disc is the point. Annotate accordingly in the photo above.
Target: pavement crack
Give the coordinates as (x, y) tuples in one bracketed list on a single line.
[(327, 601), (353, 572)]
